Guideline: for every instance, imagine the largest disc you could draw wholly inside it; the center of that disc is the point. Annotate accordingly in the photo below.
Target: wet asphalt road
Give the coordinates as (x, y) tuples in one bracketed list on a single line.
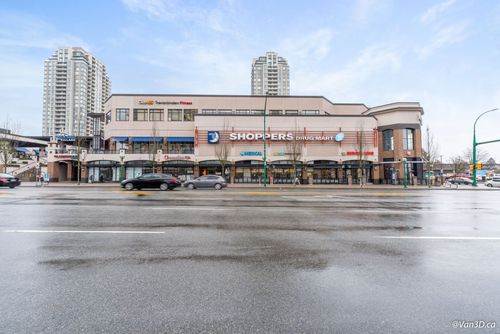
[(241, 261)]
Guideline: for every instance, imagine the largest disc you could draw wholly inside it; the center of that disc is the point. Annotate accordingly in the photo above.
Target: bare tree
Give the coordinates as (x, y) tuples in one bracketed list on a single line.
[(431, 152), (294, 149), (153, 146), (222, 148), (361, 139), (7, 145), (481, 155), (459, 164)]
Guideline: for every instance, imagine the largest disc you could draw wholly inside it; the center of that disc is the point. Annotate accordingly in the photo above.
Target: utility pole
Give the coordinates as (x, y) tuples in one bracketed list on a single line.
[(265, 146)]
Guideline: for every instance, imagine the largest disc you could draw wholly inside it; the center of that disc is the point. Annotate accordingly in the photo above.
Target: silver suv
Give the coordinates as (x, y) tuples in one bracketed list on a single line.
[(207, 181), (494, 182)]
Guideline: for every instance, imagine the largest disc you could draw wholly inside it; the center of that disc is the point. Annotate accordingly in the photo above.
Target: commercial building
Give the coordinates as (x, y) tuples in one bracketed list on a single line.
[(75, 86), (308, 137), (271, 75)]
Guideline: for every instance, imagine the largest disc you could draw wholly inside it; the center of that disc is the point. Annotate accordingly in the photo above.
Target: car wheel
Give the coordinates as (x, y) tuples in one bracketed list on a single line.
[(191, 186), (218, 186), (163, 186), (489, 185), (129, 186), (11, 187)]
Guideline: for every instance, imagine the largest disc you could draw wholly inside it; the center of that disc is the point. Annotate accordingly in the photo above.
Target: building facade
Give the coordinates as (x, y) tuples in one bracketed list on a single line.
[(307, 137), (271, 74), (76, 84)]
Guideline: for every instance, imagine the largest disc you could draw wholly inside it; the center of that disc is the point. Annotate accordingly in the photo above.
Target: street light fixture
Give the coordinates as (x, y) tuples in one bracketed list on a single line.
[(474, 144)]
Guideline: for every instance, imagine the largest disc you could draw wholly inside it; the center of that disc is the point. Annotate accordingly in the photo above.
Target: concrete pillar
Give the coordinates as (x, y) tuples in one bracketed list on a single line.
[(53, 170), (196, 170)]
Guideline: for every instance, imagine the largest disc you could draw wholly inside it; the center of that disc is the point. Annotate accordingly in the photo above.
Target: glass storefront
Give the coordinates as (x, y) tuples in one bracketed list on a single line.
[(137, 168), (183, 170), (326, 172), (353, 167), (103, 171), (286, 171), (249, 171), (213, 167)]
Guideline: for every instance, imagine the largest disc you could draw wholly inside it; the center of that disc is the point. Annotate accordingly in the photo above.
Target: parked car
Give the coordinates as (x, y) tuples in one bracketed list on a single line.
[(7, 180), (162, 181), (208, 181), (494, 182), (460, 180)]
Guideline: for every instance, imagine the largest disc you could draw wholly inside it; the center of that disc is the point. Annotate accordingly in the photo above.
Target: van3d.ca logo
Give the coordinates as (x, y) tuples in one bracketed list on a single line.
[(213, 137)]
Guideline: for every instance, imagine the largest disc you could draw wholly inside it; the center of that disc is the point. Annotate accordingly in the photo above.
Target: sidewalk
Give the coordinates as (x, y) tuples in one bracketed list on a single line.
[(272, 186)]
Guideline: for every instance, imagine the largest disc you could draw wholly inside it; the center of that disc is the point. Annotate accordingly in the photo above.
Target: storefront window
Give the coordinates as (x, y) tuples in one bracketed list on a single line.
[(180, 148), (408, 135), (122, 114), (156, 114), (249, 171), (183, 170), (140, 114), (174, 115), (189, 114), (388, 140)]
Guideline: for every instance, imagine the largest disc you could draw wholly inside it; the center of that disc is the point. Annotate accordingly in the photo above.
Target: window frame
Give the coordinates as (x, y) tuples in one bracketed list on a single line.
[(388, 142), (171, 112), (143, 112), (119, 112), (154, 112)]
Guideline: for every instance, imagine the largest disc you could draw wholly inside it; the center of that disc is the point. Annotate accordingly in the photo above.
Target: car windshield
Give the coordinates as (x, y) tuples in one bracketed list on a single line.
[(5, 175)]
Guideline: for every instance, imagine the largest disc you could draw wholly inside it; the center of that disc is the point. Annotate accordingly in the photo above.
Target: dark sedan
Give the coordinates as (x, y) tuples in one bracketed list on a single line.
[(7, 180), (162, 181)]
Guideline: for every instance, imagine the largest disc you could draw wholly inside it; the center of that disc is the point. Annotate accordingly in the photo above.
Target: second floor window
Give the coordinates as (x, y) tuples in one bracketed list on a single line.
[(140, 114), (122, 114), (189, 114), (156, 114), (108, 117), (408, 135), (388, 140), (175, 115)]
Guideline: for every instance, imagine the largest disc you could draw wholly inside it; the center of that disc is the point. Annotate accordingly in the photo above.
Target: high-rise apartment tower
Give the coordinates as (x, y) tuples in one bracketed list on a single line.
[(75, 85), (270, 73)]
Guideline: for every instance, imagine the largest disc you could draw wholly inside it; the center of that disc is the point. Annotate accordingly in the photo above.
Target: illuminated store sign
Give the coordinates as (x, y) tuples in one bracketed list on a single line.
[(237, 136), (358, 153), (251, 153), (152, 102)]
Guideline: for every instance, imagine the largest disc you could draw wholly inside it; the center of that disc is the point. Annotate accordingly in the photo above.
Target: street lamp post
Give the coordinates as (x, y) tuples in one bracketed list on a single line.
[(265, 144), (474, 144), (404, 173)]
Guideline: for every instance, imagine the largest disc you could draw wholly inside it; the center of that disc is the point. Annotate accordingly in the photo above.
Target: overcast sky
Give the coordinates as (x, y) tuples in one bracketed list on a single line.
[(443, 54)]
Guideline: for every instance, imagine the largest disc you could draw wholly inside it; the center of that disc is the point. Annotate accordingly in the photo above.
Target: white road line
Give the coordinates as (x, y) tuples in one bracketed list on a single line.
[(195, 208), (70, 231), (439, 238)]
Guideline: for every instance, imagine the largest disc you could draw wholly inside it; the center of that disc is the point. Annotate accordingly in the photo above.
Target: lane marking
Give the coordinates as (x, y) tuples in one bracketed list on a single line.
[(260, 193), (70, 231), (438, 238)]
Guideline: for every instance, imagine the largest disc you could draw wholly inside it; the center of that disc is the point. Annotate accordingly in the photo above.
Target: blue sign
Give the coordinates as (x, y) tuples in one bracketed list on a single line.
[(251, 153), (65, 137), (213, 137), (339, 136)]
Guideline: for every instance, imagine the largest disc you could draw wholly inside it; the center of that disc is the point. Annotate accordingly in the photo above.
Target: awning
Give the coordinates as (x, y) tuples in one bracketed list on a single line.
[(180, 139), (22, 149), (146, 139), (120, 139)]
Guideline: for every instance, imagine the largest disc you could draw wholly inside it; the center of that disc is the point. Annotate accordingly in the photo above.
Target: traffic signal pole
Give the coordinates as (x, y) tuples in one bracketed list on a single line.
[(474, 151)]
